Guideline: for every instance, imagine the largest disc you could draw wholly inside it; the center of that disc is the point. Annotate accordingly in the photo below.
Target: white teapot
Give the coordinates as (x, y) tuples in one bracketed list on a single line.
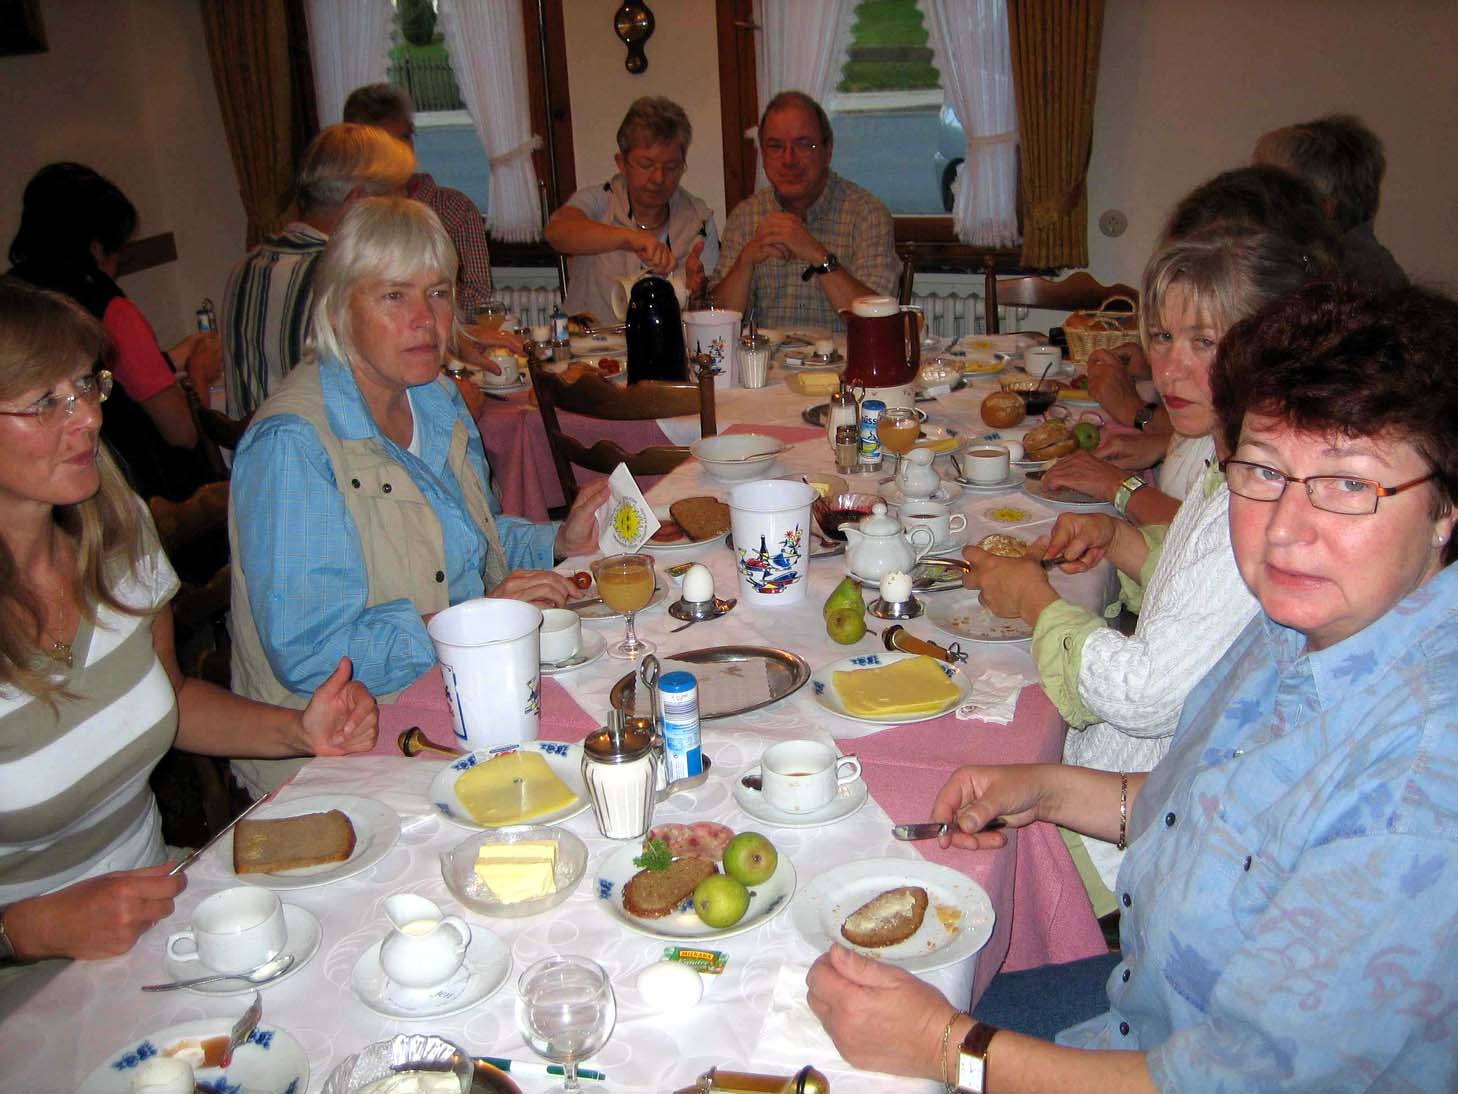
[(916, 477), (426, 946), (875, 545)]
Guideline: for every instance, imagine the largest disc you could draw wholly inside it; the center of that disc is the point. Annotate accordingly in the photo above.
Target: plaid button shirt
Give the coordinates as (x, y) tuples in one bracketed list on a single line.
[(850, 221), (467, 228)]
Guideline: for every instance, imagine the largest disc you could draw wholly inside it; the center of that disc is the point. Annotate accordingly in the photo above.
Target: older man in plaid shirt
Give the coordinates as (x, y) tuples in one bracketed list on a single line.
[(802, 250)]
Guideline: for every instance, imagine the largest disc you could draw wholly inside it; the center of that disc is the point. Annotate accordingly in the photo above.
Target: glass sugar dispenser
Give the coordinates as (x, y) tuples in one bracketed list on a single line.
[(620, 765)]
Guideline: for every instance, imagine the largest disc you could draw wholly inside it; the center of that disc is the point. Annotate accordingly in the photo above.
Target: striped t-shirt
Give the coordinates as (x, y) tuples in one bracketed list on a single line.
[(74, 799)]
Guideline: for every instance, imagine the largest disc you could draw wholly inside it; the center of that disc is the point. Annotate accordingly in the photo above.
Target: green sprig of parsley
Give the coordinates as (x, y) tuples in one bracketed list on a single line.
[(655, 856)]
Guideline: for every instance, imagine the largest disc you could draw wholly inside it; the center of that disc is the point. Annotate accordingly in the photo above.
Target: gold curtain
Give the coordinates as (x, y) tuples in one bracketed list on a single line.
[(252, 63), (1055, 65)]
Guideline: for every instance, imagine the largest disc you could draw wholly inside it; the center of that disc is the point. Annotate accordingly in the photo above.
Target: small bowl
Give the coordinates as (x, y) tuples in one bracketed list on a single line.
[(410, 1052), (828, 512), (457, 864), (1037, 396), (737, 457)]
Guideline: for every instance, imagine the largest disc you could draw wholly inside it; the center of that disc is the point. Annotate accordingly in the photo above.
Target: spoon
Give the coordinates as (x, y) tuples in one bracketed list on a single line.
[(269, 970), (721, 607)]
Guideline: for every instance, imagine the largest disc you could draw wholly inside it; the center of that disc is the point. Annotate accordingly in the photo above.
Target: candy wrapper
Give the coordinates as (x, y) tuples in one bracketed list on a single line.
[(626, 520)]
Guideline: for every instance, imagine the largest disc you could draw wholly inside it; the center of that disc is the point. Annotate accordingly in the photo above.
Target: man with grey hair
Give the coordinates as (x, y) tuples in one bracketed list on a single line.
[(1344, 161), (270, 296), (800, 251), (388, 107), (641, 218)]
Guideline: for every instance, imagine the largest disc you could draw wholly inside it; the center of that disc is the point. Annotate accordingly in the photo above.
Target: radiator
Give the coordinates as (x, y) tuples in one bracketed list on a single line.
[(531, 303)]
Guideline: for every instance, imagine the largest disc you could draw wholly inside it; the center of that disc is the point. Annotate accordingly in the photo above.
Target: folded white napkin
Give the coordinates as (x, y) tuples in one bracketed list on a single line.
[(626, 520), (399, 782), (791, 1034), (994, 697)]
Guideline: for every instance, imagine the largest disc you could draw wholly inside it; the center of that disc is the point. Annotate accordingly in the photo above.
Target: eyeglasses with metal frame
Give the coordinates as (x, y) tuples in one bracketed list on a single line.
[(93, 388), (1342, 494)]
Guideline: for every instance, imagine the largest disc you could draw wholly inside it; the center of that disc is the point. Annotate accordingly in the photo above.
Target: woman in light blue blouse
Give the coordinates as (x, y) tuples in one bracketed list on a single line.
[(1288, 914), (361, 503)]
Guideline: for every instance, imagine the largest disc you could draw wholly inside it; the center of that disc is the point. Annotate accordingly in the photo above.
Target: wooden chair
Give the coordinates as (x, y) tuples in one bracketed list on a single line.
[(1076, 292), (594, 397)]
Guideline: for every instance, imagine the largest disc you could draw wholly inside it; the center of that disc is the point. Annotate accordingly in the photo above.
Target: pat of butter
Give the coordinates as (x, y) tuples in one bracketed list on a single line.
[(911, 686), (512, 788), (525, 849), (514, 881)]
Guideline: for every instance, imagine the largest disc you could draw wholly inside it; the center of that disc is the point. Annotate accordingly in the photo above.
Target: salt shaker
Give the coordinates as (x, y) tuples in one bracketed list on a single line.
[(620, 768), (842, 410)]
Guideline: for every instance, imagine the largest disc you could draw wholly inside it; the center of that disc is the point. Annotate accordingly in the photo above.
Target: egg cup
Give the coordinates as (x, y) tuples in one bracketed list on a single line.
[(697, 612), (910, 608)]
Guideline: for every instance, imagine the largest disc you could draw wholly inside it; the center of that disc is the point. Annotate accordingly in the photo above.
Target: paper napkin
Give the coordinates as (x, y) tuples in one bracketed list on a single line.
[(791, 1033), (994, 698), (626, 520)]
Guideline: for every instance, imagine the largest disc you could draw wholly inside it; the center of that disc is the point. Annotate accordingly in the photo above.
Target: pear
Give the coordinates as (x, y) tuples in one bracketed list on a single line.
[(846, 625), (845, 595)]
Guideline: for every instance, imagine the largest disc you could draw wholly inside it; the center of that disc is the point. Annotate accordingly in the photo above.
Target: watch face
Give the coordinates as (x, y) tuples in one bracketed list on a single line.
[(971, 1072)]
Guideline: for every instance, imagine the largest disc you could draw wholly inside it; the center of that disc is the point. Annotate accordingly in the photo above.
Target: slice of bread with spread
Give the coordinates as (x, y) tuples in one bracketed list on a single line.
[(653, 894), (887, 918), (291, 843), (700, 518)]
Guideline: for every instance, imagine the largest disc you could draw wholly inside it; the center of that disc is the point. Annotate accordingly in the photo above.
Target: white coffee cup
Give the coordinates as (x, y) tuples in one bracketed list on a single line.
[(561, 635), (933, 516), (985, 463), (803, 776), (1037, 359), (510, 371), (233, 931)]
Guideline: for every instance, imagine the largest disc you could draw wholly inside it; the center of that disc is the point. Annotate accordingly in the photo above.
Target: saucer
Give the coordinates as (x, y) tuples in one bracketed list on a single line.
[(592, 646), (1013, 480), (848, 799), (954, 542), (486, 968), (304, 935), (891, 492)]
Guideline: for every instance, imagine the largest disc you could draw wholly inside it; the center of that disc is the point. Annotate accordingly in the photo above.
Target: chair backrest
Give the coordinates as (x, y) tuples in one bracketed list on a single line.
[(605, 400), (1076, 292)]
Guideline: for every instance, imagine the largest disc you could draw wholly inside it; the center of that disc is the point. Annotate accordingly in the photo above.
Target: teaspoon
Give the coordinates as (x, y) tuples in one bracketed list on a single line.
[(269, 970)]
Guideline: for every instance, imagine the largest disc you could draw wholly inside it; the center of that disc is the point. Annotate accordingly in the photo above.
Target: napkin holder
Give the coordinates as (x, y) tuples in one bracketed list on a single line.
[(718, 1081)]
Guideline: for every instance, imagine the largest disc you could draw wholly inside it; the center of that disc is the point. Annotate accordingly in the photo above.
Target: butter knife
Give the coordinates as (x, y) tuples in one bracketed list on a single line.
[(185, 863), (243, 1028), (933, 829)]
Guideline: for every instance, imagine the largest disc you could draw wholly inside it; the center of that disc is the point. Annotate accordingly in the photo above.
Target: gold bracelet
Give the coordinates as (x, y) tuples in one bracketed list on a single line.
[(1123, 810), (951, 1087)]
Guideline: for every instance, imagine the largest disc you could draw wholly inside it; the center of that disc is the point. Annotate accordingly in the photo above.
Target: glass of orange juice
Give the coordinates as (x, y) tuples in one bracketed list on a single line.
[(490, 314), (898, 429), (625, 583)]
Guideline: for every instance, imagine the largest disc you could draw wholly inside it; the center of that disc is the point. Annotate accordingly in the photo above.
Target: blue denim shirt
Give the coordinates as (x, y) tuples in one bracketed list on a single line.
[(1290, 893), (305, 569)]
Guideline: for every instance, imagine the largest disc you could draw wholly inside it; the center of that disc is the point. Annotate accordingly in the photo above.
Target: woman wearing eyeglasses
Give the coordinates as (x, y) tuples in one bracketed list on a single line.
[(91, 695), (641, 218), (1288, 893)]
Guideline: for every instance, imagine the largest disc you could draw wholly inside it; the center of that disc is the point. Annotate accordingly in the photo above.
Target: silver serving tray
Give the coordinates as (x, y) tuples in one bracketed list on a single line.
[(788, 673)]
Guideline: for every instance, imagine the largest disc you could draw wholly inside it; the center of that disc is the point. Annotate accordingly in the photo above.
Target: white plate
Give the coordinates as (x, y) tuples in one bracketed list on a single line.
[(848, 799), (598, 345), (892, 493), (486, 968), (1076, 402), (565, 761), (938, 943), (967, 617), (1014, 480), (825, 694), (271, 1062), (592, 646), (595, 613), (1034, 489), (477, 378), (765, 901), (662, 513), (376, 831), (303, 943)]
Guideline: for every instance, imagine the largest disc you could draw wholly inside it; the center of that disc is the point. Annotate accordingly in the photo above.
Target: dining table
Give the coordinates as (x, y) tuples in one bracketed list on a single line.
[(753, 1015)]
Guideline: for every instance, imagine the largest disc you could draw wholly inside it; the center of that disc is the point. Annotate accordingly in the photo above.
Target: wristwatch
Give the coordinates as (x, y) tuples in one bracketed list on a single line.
[(830, 263), (7, 947), (1144, 415), (1127, 489), (972, 1058)]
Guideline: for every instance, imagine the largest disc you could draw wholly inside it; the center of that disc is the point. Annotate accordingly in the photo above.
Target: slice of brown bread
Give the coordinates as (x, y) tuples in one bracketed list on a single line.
[(652, 894), (291, 843), (701, 518), (888, 918)]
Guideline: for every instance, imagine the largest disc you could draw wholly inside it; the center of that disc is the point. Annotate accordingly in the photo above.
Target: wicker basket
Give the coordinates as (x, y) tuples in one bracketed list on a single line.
[(1107, 333)]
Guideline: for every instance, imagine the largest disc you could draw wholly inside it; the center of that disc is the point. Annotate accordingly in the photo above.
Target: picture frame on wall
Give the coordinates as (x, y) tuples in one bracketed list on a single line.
[(21, 29)]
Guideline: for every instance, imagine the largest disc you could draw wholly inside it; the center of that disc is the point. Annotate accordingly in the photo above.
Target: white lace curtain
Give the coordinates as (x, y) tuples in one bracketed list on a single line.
[(969, 40), (349, 46), (800, 47), (484, 38)]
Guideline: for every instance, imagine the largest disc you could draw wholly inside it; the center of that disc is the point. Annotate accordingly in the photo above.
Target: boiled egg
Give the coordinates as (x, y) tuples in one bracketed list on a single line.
[(163, 1075), (698, 584), (670, 986), (895, 587)]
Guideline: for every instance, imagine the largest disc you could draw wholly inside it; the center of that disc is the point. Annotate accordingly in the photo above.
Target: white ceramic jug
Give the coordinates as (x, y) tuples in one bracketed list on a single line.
[(426, 946), (875, 545), (916, 476)]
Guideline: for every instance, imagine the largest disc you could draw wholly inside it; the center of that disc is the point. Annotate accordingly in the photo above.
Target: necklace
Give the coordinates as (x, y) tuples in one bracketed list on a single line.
[(61, 653)]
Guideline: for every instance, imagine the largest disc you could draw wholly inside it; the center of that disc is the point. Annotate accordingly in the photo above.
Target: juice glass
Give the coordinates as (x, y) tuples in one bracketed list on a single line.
[(625, 583), (898, 429)]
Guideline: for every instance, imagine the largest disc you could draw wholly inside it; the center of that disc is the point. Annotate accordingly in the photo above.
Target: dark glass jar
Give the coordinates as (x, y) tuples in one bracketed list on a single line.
[(654, 332)]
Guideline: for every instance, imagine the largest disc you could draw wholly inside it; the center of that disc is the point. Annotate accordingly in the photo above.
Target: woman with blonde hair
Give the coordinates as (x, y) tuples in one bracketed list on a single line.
[(361, 503), (91, 696)]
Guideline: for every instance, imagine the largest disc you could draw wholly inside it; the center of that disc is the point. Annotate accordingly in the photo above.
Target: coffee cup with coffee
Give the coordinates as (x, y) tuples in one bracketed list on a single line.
[(510, 370), (935, 518), (803, 776), (233, 931), (984, 465)]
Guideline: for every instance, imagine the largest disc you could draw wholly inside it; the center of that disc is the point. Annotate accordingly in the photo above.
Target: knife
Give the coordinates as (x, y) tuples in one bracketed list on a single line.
[(185, 863), (243, 1028), (933, 829)]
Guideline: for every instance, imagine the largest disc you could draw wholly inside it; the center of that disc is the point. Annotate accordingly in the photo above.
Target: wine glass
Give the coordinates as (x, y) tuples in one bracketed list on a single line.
[(565, 1010), (625, 583), (490, 313), (898, 428)]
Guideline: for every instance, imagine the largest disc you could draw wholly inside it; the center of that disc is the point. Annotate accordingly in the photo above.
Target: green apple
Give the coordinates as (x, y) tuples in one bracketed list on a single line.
[(1087, 435), (721, 901), (750, 858)]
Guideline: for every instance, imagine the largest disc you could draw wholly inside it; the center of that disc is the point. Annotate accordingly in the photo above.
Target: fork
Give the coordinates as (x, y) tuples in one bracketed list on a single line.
[(244, 1027)]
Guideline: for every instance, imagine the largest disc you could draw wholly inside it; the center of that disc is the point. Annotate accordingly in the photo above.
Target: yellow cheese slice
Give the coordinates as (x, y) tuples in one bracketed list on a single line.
[(941, 444), (911, 686), (511, 789)]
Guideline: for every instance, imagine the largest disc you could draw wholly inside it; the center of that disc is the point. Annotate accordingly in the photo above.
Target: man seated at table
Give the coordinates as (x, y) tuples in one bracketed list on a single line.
[(1343, 160), (270, 295), (800, 251), (641, 218), (388, 107)]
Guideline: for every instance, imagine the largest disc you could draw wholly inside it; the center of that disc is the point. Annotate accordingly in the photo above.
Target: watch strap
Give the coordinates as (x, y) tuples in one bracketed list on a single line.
[(972, 1058), (830, 263), (7, 947), (1127, 489)]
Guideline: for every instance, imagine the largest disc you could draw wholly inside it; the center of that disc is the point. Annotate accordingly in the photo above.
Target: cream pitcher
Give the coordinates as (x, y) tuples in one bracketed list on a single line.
[(426, 946)]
